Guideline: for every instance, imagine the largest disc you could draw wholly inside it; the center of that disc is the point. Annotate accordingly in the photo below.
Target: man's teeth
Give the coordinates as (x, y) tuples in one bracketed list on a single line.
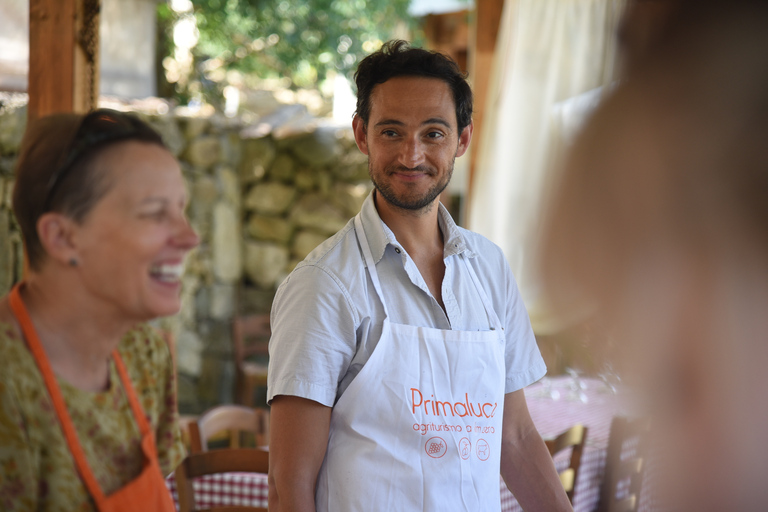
[(168, 273)]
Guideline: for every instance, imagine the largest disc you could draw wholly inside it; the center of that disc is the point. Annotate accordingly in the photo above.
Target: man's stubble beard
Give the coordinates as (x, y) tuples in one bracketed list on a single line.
[(414, 205)]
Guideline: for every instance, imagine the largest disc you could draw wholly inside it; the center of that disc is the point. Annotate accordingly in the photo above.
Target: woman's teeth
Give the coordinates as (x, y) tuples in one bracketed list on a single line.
[(167, 273)]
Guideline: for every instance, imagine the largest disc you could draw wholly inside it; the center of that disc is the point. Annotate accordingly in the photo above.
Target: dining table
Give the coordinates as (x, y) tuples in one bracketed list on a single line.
[(558, 403), (555, 404)]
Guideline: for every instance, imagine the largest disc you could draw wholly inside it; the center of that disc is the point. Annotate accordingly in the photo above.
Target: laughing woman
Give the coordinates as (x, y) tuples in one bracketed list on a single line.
[(87, 400)]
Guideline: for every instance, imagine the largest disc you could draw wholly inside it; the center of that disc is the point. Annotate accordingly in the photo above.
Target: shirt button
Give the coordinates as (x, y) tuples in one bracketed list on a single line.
[(397, 250)]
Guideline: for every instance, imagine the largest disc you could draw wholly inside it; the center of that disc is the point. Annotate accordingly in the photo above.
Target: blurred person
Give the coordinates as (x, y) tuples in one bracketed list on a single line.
[(88, 415), (642, 23), (400, 346), (660, 218)]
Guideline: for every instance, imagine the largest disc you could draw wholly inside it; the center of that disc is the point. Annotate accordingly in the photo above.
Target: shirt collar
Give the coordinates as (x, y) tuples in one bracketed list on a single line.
[(379, 235)]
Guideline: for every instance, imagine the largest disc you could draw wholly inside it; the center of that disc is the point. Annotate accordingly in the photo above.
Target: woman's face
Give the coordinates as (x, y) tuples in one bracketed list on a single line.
[(131, 245)]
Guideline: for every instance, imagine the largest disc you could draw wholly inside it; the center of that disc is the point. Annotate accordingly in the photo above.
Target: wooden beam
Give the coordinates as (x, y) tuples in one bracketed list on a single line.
[(448, 33), (63, 56), (482, 47)]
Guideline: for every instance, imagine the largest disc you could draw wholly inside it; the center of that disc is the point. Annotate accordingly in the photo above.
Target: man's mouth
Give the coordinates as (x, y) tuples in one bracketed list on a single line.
[(418, 171)]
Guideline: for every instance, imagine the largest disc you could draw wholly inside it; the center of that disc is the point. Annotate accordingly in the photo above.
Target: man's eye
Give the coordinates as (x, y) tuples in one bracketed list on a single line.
[(434, 135), (389, 133)]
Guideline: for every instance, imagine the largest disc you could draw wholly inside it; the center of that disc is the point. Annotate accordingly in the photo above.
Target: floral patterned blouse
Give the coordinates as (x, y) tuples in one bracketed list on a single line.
[(37, 471)]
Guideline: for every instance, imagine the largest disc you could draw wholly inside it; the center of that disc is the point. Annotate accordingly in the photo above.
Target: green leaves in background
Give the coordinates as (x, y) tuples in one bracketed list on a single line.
[(299, 41)]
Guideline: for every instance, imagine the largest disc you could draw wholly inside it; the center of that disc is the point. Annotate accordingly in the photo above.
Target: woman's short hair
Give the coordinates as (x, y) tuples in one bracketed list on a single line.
[(56, 170), (397, 58)]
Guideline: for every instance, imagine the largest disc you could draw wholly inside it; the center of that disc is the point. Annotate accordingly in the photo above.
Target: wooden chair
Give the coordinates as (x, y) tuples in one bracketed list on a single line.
[(620, 491), (251, 337), (185, 422), (575, 438), (218, 461), (231, 418)]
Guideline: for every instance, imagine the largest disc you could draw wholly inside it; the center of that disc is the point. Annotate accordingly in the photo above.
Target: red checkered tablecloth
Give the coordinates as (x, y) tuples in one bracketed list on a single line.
[(559, 403), (243, 489), (594, 409)]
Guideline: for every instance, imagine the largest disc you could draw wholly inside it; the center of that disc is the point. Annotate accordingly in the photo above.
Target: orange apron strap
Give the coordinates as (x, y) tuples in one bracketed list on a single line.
[(138, 412), (22, 316)]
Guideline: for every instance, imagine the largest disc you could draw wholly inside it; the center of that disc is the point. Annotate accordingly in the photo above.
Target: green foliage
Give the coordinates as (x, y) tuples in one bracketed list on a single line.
[(164, 33), (302, 40)]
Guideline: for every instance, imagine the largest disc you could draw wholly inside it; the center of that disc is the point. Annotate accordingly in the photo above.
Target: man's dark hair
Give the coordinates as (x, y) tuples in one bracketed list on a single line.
[(398, 58)]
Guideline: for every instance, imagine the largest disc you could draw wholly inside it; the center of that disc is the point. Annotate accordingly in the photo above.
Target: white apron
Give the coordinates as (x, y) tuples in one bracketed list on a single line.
[(419, 428)]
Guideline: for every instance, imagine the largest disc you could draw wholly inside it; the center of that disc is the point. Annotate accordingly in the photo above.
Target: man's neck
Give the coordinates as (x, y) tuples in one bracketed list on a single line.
[(418, 231), (420, 235)]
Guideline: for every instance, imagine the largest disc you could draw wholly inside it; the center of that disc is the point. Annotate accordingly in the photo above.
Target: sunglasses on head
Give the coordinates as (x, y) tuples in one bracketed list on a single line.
[(98, 128)]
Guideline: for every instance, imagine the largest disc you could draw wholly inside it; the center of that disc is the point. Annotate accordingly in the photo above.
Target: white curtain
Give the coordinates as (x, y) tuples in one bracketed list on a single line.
[(552, 56)]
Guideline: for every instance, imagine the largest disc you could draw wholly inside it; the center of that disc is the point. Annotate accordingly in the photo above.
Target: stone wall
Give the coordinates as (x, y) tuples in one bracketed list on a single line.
[(12, 125), (260, 206), (299, 190)]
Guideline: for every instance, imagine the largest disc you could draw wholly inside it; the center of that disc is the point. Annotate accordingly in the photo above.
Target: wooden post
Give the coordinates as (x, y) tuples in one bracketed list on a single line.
[(482, 47), (63, 56), (448, 33)]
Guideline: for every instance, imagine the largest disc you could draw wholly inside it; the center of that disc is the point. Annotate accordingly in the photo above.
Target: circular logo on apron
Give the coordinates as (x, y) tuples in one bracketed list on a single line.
[(436, 447), (483, 449), (465, 448)]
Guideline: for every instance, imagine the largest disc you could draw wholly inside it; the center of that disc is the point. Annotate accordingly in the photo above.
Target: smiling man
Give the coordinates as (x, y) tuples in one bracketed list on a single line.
[(401, 346)]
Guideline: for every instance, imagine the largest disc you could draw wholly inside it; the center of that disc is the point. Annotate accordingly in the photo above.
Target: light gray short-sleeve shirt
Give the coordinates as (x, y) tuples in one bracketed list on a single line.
[(326, 317)]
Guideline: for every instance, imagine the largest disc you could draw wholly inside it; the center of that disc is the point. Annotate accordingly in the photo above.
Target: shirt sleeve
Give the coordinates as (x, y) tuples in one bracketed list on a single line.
[(19, 482), (523, 358), (313, 336)]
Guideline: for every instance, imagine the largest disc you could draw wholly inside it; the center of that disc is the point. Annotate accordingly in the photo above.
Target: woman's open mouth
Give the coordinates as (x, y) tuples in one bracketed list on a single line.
[(167, 273)]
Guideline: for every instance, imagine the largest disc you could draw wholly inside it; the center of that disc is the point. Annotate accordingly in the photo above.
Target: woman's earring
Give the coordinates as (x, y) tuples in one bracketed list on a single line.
[(72, 262)]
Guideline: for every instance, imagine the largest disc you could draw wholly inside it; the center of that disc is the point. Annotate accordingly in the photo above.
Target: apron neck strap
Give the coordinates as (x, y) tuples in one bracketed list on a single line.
[(493, 318), (133, 400), (369, 262), (49, 378), (36, 348)]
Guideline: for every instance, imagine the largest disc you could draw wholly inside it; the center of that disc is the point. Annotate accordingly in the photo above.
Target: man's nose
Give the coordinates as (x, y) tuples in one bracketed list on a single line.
[(411, 153)]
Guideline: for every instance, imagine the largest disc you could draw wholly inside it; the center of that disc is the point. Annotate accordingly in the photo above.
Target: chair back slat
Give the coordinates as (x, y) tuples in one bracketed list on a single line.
[(629, 504), (629, 469), (227, 460), (184, 489), (620, 468), (571, 437), (574, 438), (231, 418), (251, 336), (568, 479)]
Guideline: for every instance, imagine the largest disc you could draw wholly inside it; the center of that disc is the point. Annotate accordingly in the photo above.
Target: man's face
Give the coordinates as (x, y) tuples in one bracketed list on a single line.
[(411, 140)]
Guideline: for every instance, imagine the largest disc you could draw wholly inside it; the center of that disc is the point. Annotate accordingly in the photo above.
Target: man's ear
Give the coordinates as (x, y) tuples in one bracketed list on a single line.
[(361, 132), (56, 234), (464, 138)]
